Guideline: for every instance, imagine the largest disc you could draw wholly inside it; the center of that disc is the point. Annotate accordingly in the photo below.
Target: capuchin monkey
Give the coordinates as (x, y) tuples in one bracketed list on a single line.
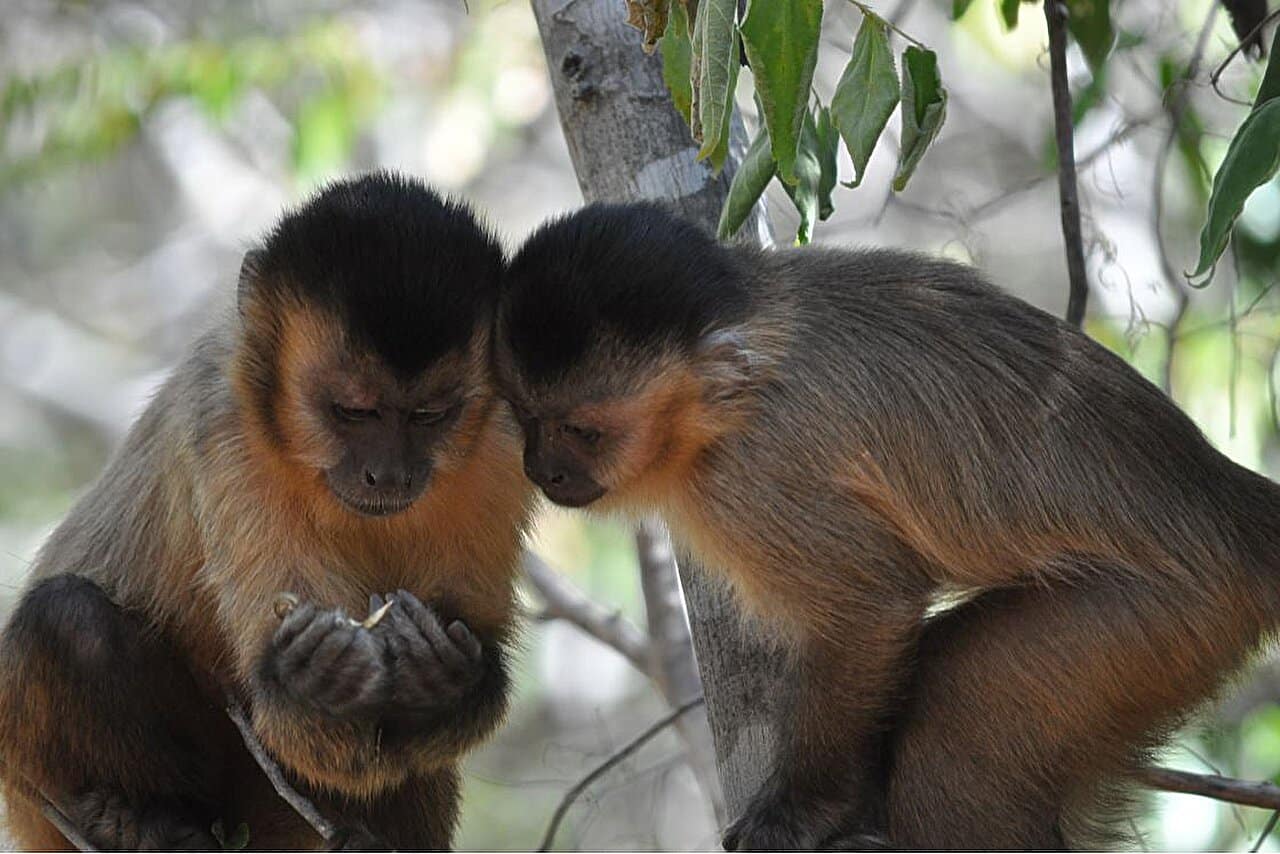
[(337, 440), (849, 436)]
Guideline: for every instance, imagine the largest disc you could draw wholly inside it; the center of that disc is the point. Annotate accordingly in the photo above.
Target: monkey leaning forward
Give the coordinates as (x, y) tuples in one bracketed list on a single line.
[(845, 435), (337, 438)]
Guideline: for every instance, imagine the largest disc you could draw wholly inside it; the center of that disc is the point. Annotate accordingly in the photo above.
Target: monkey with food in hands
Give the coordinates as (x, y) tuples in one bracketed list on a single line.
[(337, 438), (851, 437)]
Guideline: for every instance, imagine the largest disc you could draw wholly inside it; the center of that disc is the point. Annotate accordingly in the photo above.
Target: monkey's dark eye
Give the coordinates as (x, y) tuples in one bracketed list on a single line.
[(350, 413), (587, 435), (427, 415)]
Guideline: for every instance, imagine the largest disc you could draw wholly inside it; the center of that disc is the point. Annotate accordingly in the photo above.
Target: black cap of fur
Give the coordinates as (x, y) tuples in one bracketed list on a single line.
[(409, 273), (633, 271)]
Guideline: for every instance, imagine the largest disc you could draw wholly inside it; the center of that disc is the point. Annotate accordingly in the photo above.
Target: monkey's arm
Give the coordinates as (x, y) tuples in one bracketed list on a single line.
[(448, 684)]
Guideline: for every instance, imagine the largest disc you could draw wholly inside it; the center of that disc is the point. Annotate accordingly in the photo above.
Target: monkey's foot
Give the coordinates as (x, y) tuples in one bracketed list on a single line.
[(777, 820), (113, 824)]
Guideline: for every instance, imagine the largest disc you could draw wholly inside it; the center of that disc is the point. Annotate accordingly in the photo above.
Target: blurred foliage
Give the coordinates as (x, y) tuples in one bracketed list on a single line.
[(87, 110)]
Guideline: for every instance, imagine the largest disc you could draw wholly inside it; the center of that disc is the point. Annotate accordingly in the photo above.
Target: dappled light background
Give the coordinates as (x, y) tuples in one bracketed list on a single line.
[(144, 146)]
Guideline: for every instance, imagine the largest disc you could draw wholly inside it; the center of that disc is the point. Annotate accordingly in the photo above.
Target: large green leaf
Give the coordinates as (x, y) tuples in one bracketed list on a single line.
[(924, 108), (1090, 24), (866, 94), (781, 40), (753, 176), (806, 192), (715, 73), (958, 8), (1252, 159), (677, 60)]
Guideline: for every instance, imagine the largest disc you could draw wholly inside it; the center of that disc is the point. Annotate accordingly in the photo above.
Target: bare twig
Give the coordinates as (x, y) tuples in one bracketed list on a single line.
[(1176, 107), (1266, 831), (1229, 789), (889, 21), (566, 602), (603, 768), (65, 825), (1055, 13), (301, 805), (1222, 66)]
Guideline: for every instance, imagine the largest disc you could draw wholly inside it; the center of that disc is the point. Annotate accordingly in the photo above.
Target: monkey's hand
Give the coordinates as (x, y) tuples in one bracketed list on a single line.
[(326, 662), (434, 666)]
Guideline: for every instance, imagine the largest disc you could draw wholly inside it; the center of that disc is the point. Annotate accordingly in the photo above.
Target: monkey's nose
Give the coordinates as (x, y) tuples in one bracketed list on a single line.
[(388, 478)]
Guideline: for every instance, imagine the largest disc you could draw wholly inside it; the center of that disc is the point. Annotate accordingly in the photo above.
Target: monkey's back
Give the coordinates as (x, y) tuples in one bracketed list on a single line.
[(991, 436)]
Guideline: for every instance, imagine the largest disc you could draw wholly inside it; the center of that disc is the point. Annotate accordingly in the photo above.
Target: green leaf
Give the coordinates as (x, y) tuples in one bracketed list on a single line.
[(1090, 24), (958, 8), (1252, 159), (753, 176), (924, 108), (1009, 13), (239, 840), (781, 40), (828, 152), (1270, 87), (677, 59), (715, 70), (866, 94), (806, 193)]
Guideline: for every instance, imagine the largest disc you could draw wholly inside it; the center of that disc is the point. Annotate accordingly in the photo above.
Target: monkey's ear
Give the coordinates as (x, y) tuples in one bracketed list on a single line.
[(249, 269), (728, 365)]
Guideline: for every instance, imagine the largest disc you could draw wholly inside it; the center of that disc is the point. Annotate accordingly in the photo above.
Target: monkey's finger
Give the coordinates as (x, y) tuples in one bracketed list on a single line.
[(429, 624), (375, 602), (294, 624), (299, 652), (465, 640), (331, 649)]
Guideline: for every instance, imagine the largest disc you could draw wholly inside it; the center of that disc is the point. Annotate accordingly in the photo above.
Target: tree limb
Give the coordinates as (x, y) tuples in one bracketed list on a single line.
[(301, 805), (672, 663), (1245, 792), (1055, 13), (565, 602), (603, 768)]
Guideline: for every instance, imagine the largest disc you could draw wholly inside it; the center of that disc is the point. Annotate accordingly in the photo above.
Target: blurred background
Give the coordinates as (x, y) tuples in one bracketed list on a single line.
[(145, 144)]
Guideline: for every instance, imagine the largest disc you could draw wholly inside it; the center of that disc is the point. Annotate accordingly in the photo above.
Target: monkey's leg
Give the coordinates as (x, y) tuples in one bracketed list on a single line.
[(829, 777), (1026, 700), (102, 718)]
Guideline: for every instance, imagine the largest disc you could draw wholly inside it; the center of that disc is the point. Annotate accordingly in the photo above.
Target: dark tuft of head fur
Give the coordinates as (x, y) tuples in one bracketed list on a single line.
[(409, 274), (636, 272)]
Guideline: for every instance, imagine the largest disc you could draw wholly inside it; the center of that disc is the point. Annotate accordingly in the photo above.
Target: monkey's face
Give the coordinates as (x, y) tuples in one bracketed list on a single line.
[(373, 436), (603, 431)]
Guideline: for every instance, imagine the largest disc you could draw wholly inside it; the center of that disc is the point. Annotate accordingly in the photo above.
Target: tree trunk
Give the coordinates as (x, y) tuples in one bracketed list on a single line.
[(628, 143)]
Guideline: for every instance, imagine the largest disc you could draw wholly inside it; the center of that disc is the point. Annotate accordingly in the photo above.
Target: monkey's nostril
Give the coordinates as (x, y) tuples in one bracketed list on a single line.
[(557, 479), (369, 478)]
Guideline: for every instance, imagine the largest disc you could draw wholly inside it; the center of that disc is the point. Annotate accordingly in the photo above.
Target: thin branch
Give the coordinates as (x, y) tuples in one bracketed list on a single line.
[(1266, 831), (603, 768), (1055, 13), (301, 805), (889, 21), (566, 602), (1222, 66), (65, 825), (1233, 791)]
